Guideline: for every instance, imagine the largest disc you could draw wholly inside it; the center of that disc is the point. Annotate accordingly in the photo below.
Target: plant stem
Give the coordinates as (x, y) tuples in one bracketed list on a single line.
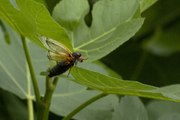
[(30, 99), (75, 111), (30, 109), (33, 78), (44, 103), (50, 87)]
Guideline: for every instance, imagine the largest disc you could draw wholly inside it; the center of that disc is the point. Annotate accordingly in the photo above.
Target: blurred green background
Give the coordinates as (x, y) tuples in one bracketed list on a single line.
[(152, 57)]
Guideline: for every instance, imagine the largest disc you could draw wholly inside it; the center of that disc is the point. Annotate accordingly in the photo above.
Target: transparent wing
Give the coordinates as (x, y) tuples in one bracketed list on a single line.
[(54, 46), (57, 51)]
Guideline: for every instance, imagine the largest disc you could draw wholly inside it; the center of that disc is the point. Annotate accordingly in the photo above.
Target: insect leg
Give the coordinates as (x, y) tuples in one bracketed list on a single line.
[(69, 71)]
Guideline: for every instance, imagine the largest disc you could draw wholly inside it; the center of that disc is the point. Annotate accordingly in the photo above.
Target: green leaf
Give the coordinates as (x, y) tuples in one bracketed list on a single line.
[(69, 96), (158, 110), (15, 78), (69, 13), (130, 108), (172, 116), (112, 25), (99, 67), (30, 18), (9, 75), (112, 85), (145, 4), (171, 91), (101, 45), (14, 70)]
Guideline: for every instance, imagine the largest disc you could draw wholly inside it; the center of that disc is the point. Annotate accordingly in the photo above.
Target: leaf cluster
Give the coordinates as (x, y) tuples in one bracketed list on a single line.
[(113, 23)]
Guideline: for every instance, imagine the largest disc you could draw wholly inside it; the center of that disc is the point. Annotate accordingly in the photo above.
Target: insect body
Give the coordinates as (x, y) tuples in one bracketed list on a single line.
[(63, 56), (63, 66)]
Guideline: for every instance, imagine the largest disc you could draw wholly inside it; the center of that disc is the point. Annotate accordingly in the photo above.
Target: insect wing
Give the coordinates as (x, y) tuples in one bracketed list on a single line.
[(53, 45), (57, 57), (57, 51)]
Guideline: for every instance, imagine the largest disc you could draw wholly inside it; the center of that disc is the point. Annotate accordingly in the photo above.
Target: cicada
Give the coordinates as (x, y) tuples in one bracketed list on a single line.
[(62, 55)]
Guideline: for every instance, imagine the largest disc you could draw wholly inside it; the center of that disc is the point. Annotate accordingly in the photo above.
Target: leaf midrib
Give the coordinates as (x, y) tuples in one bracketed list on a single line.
[(98, 37), (12, 78)]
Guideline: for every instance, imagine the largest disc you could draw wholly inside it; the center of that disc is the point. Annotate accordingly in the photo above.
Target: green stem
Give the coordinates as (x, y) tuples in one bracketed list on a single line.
[(30, 100), (44, 103), (75, 111), (50, 87), (30, 109), (33, 78)]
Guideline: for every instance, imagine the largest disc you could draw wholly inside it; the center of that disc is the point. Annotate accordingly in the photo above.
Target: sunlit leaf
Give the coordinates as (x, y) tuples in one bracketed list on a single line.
[(30, 18), (112, 25), (113, 85)]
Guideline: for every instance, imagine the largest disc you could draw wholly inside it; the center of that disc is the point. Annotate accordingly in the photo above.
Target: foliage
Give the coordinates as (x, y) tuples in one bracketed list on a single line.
[(150, 56)]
